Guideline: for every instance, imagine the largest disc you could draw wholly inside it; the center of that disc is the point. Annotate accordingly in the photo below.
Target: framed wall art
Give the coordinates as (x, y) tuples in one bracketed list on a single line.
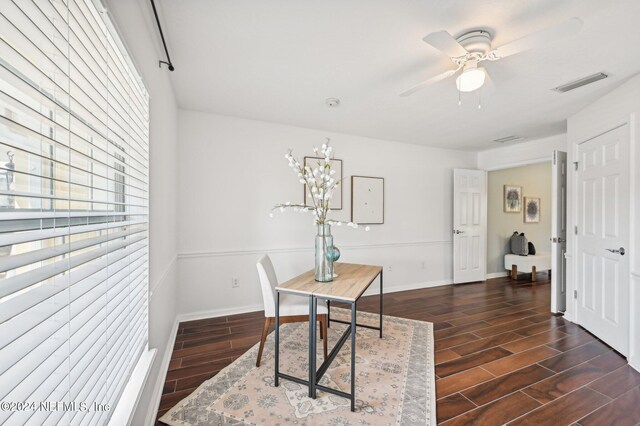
[(367, 200), (531, 210), (512, 199), (336, 198)]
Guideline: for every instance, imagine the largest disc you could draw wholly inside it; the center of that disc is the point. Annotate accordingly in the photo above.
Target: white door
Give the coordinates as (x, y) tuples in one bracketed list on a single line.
[(469, 225), (559, 232), (603, 237)]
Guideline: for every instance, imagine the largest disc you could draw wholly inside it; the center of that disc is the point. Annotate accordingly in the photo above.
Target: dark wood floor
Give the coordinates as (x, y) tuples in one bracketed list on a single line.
[(500, 357)]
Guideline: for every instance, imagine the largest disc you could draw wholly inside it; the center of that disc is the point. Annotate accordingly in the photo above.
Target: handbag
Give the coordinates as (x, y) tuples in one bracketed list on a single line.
[(532, 249), (519, 244)]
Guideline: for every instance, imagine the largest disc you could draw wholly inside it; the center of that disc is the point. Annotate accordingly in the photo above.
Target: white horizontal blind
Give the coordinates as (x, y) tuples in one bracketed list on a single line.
[(74, 167)]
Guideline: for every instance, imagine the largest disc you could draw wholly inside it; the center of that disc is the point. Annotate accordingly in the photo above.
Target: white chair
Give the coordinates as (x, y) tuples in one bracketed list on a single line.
[(292, 308)]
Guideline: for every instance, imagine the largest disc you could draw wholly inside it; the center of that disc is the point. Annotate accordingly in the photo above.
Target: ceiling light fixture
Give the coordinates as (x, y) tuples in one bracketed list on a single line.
[(472, 77), (332, 102)]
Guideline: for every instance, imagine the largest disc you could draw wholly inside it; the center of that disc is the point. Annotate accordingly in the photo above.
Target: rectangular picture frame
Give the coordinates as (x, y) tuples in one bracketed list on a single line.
[(531, 210), (367, 200), (336, 199), (512, 198)]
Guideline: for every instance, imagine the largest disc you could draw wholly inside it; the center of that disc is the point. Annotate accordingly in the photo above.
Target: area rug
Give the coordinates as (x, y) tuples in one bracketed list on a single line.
[(395, 381)]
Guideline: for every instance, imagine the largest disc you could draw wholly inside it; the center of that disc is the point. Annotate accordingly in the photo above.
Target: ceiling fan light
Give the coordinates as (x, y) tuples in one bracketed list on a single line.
[(471, 79)]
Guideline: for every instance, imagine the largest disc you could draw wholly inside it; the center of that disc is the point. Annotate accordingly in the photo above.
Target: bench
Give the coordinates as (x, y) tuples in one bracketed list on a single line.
[(540, 261)]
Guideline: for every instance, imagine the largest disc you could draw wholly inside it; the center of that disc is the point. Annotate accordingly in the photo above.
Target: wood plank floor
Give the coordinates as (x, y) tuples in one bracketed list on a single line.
[(501, 357)]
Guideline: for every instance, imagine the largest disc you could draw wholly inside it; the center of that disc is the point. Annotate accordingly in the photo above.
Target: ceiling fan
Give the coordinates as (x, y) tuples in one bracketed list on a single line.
[(470, 49)]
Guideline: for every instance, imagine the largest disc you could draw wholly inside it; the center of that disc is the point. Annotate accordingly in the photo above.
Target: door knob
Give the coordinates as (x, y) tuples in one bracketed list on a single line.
[(620, 251), (457, 231), (558, 240)]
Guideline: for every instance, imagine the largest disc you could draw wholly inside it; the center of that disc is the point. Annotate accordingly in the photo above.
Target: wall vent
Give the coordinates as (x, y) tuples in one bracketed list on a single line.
[(581, 82), (506, 139)]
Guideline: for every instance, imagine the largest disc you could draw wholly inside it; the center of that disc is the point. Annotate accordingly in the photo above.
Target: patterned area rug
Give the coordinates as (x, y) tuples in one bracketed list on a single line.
[(395, 381)]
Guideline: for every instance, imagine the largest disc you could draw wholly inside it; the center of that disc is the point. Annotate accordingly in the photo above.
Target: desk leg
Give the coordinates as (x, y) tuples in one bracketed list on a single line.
[(353, 356), (277, 338), (312, 346), (381, 303), (328, 313)]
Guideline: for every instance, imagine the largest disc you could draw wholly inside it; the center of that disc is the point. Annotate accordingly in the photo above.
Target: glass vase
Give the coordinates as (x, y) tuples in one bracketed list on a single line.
[(324, 254)]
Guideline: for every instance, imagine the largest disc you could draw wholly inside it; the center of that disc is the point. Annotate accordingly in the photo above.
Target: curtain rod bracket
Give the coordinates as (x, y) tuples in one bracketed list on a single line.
[(168, 64)]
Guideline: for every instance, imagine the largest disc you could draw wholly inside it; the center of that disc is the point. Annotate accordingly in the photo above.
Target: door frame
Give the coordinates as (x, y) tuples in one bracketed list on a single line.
[(556, 231), (539, 160), (504, 166)]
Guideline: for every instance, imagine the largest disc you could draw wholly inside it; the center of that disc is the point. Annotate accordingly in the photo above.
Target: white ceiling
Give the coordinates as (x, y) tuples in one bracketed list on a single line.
[(279, 60)]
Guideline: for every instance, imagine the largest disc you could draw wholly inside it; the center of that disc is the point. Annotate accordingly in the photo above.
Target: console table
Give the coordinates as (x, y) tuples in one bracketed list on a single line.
[(350, 283)]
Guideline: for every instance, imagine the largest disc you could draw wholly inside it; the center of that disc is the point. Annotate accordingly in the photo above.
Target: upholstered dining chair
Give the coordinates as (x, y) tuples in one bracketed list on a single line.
[(292, 308)]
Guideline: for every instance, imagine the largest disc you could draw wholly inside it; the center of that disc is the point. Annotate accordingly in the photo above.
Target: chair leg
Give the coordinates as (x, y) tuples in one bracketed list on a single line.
[(265, 333), (323, 331)]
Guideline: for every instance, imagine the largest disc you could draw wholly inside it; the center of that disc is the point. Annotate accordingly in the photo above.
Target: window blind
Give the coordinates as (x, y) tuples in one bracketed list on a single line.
[(74, 167)]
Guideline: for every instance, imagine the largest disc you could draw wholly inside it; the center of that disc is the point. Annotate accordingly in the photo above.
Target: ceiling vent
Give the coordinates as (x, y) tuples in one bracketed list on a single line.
[(581, 82), (506, 139)]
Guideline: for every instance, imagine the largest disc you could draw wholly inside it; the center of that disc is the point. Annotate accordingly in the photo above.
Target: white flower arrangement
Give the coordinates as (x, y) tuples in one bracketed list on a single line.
[(320, 182)]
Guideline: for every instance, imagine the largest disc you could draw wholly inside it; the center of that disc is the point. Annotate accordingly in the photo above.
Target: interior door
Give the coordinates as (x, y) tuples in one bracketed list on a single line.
[(603, 236), (559, 232), (469, 225)]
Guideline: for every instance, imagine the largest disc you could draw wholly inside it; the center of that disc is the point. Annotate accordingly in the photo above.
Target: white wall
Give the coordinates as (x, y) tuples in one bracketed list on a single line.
[(521, 154), (232, 171), (618, 107), (535, 180), (133, 22)]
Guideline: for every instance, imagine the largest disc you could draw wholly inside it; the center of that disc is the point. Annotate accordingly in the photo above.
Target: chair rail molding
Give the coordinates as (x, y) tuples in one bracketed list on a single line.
[(219, 253), (158, 282)]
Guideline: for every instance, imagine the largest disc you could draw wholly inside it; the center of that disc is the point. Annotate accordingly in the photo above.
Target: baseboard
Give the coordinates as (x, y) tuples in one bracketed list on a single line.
[(212, 313), (635, 364), (164, 369), (497, 275)]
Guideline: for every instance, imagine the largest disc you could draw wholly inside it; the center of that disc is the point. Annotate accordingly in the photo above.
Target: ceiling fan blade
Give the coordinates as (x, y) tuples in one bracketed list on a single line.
[(540, 38), (428, 82), (444, 42)]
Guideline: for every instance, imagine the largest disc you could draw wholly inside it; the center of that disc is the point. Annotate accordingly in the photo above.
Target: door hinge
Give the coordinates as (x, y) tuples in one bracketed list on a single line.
[(575, 165), (575, 230), (575, 294)]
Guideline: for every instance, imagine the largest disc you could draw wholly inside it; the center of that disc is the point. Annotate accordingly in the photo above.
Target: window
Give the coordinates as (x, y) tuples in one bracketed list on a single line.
[(74, 167)]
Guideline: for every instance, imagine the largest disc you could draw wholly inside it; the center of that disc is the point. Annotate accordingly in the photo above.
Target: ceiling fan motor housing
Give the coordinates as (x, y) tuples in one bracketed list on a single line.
[(477, 41)]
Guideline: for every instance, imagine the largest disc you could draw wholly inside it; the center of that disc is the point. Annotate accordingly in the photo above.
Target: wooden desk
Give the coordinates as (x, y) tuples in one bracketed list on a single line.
[(351, 282)]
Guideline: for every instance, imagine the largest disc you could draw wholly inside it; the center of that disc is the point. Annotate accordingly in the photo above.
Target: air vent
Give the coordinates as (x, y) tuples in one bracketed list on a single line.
[(581, 82), (508, 139)]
